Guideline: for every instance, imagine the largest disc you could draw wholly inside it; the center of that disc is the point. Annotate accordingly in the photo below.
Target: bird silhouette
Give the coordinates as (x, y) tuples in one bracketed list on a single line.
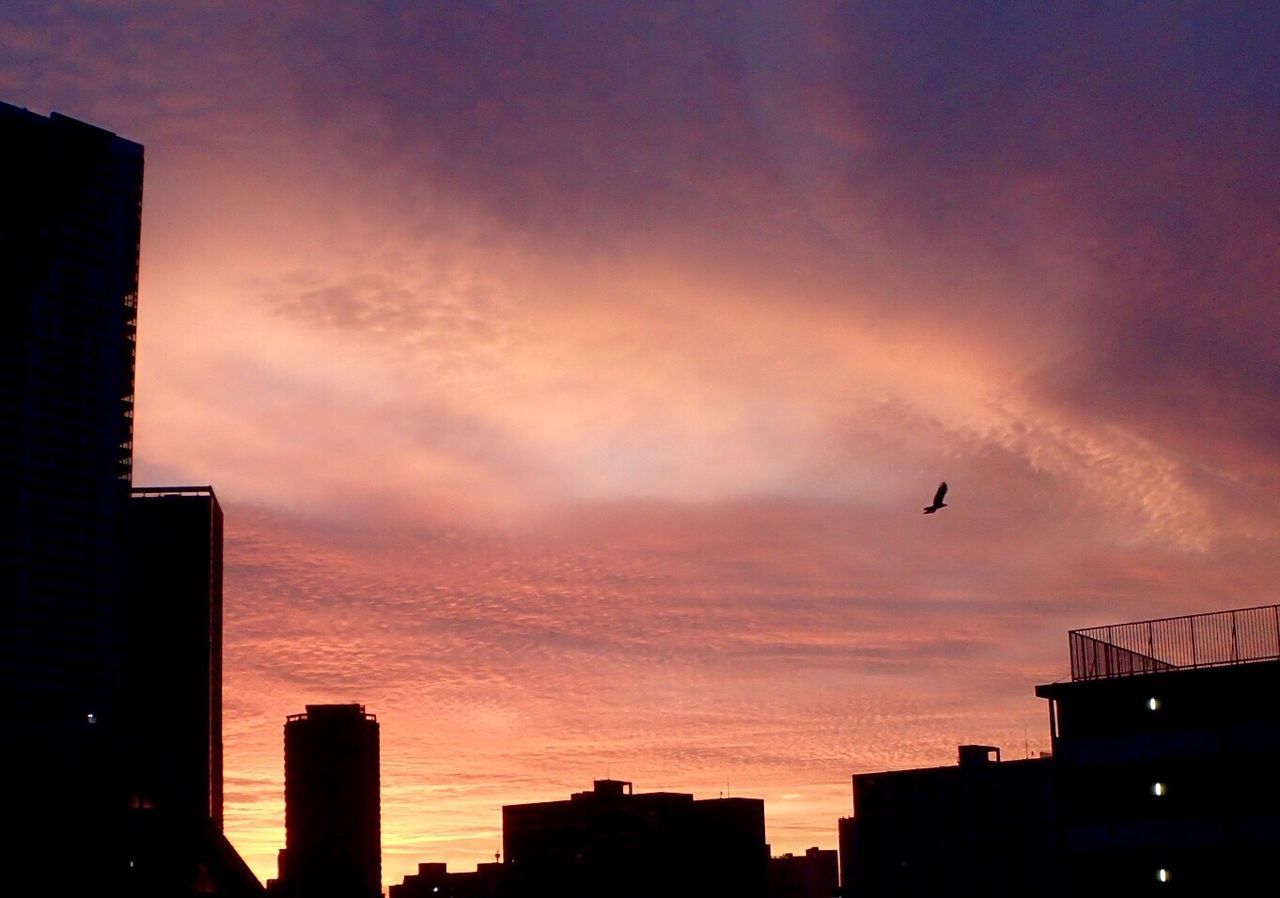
[(937, 499)]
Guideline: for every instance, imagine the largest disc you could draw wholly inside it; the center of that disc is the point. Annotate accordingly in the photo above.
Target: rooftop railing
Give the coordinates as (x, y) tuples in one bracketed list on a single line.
[(153, 491), (331, 712), (1214, 639)]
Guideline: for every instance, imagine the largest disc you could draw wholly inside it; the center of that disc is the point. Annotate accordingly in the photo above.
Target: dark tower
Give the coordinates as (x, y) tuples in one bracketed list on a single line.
[(70, 225), (110, 607), (333, 836), (70, 218), (172, 704)]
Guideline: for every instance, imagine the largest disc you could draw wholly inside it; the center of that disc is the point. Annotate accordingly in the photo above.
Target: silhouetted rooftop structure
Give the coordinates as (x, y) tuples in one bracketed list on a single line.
[(433, 880), (982, 827), (814, 874), (616, 842), (1213, 639)]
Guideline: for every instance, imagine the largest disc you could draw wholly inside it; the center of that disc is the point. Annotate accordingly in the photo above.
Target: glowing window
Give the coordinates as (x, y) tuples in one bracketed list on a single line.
[(1153, 703), (1162, 875), (1159, 789)]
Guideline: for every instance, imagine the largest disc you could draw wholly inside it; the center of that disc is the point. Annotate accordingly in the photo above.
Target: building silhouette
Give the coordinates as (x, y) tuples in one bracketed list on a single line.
[(1162, 779), (435, 881), (983, 827), (814, 874), (173, 627), (118, 773), (1166, 743), (333, 841), (69, 236), (846, 828), (611, 841)]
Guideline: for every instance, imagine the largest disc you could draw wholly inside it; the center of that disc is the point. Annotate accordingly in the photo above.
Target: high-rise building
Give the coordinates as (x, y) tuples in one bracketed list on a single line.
[(69, 234), (1166, 742), (110, 606), (333, 834), (172, 702), (69, 230), (611, 841)]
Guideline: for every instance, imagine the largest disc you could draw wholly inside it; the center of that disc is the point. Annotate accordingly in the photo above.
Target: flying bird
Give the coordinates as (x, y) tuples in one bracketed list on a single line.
[(937, 499)]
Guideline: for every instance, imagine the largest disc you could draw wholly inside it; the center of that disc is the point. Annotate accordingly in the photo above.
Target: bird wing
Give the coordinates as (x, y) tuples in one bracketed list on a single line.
[(942, 491)]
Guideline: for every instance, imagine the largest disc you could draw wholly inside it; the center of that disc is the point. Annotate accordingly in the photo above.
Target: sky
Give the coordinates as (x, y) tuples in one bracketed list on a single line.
[(573, 375)]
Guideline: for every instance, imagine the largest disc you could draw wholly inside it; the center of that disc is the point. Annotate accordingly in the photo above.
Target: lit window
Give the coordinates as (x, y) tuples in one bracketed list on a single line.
[(1162, 875), (1159, 789), (1153, 703)]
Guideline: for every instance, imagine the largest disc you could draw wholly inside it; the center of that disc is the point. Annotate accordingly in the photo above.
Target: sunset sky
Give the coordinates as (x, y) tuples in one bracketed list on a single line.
[(572, 376)]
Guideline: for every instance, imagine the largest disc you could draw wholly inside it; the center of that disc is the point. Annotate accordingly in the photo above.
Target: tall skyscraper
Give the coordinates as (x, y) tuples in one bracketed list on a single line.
[(333, 834), (110, 606), (69, 234), (172, 702)]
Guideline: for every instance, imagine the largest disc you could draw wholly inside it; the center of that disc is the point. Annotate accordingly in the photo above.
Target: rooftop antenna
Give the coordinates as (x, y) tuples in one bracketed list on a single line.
[(1026, 745)]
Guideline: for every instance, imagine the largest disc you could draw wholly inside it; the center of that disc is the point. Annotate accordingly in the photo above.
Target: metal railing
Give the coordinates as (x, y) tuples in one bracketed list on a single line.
[(151, 492), (1173, 643)]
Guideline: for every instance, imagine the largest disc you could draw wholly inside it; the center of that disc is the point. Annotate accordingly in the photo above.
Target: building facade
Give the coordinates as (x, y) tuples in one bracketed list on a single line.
[(333, 836)]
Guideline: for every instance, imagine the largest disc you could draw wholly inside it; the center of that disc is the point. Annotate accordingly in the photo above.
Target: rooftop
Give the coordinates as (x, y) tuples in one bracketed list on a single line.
[(153, 491), (1215, 639), (333, 712)]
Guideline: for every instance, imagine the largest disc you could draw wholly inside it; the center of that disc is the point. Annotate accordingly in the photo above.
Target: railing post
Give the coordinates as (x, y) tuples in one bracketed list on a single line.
[(1235, 645)]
